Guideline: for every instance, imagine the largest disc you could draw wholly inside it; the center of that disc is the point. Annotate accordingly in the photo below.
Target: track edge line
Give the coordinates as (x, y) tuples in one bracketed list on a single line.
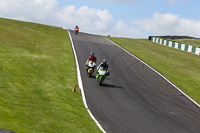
[(156, 72), (81, 86)]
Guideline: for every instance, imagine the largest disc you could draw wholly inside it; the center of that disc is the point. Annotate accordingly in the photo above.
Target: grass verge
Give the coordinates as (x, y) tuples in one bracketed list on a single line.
[(182, 68), (193, 42), (37, 74)]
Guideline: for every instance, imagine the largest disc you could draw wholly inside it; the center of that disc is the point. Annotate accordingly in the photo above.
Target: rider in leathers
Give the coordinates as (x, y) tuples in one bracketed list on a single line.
[(104, 65), (92, 58), (76, 29)]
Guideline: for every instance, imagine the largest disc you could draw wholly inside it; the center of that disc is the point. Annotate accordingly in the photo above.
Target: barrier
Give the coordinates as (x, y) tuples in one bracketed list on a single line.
[(184, 47)]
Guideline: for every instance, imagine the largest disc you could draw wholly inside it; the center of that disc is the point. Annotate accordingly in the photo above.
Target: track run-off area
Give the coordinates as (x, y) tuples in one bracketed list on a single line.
[(134, 98)]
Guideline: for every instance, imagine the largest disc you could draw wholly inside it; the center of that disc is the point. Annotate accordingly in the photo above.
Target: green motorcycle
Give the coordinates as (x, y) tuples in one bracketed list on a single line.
[(101, 75)]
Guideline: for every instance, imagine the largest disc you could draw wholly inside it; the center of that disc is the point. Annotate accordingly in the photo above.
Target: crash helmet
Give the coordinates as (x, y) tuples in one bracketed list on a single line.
[(92, 54), (104, 62)]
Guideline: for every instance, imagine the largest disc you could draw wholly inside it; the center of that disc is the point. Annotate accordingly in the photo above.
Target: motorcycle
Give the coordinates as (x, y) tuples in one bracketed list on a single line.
[(101, 75), (91, 66), (76, 31)]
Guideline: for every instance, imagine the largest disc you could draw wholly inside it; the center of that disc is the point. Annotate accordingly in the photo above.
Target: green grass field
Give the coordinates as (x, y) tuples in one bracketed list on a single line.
[(193, 42), (37, 74), (182, 68)]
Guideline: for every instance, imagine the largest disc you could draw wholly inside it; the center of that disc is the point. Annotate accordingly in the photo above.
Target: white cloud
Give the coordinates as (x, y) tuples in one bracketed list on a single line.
[(90, 20), (48, 12), (119, 1), (122, 1), (172, 2), (27, 9), (169, 24), (185, 0), (121, 29)]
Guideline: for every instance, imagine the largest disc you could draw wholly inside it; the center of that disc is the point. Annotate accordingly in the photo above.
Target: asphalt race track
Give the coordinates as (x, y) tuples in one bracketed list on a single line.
[(133, 99)]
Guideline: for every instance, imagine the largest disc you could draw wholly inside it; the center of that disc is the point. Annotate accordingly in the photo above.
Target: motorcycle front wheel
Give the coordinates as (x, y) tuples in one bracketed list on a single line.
[(100, 81)]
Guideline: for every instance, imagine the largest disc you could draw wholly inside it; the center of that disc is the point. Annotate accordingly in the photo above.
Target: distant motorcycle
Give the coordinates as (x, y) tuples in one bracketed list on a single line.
[(90, 69), (76, 31), (101, 75)]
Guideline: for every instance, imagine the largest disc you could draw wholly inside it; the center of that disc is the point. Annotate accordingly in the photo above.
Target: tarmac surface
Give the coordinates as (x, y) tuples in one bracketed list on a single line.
[(134, 98)]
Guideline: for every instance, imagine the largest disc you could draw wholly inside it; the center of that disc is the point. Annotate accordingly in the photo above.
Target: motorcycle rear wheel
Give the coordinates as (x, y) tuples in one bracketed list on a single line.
[(89, 74)]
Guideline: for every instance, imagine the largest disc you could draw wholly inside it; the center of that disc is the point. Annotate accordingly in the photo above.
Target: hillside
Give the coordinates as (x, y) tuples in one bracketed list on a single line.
[(193, 42), (37, 74), (180, 67)]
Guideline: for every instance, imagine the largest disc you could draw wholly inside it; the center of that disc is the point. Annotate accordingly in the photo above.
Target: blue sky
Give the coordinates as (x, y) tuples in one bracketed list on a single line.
[(139, 8), (120, 18)]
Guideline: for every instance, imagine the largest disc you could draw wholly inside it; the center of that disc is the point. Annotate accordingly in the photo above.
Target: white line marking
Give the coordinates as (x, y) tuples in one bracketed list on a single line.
[(81, 85), (157, 73)]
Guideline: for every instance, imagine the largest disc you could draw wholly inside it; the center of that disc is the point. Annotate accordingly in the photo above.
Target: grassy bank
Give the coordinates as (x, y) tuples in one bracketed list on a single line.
[(193, 42), (37, 74), (182, 68)]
